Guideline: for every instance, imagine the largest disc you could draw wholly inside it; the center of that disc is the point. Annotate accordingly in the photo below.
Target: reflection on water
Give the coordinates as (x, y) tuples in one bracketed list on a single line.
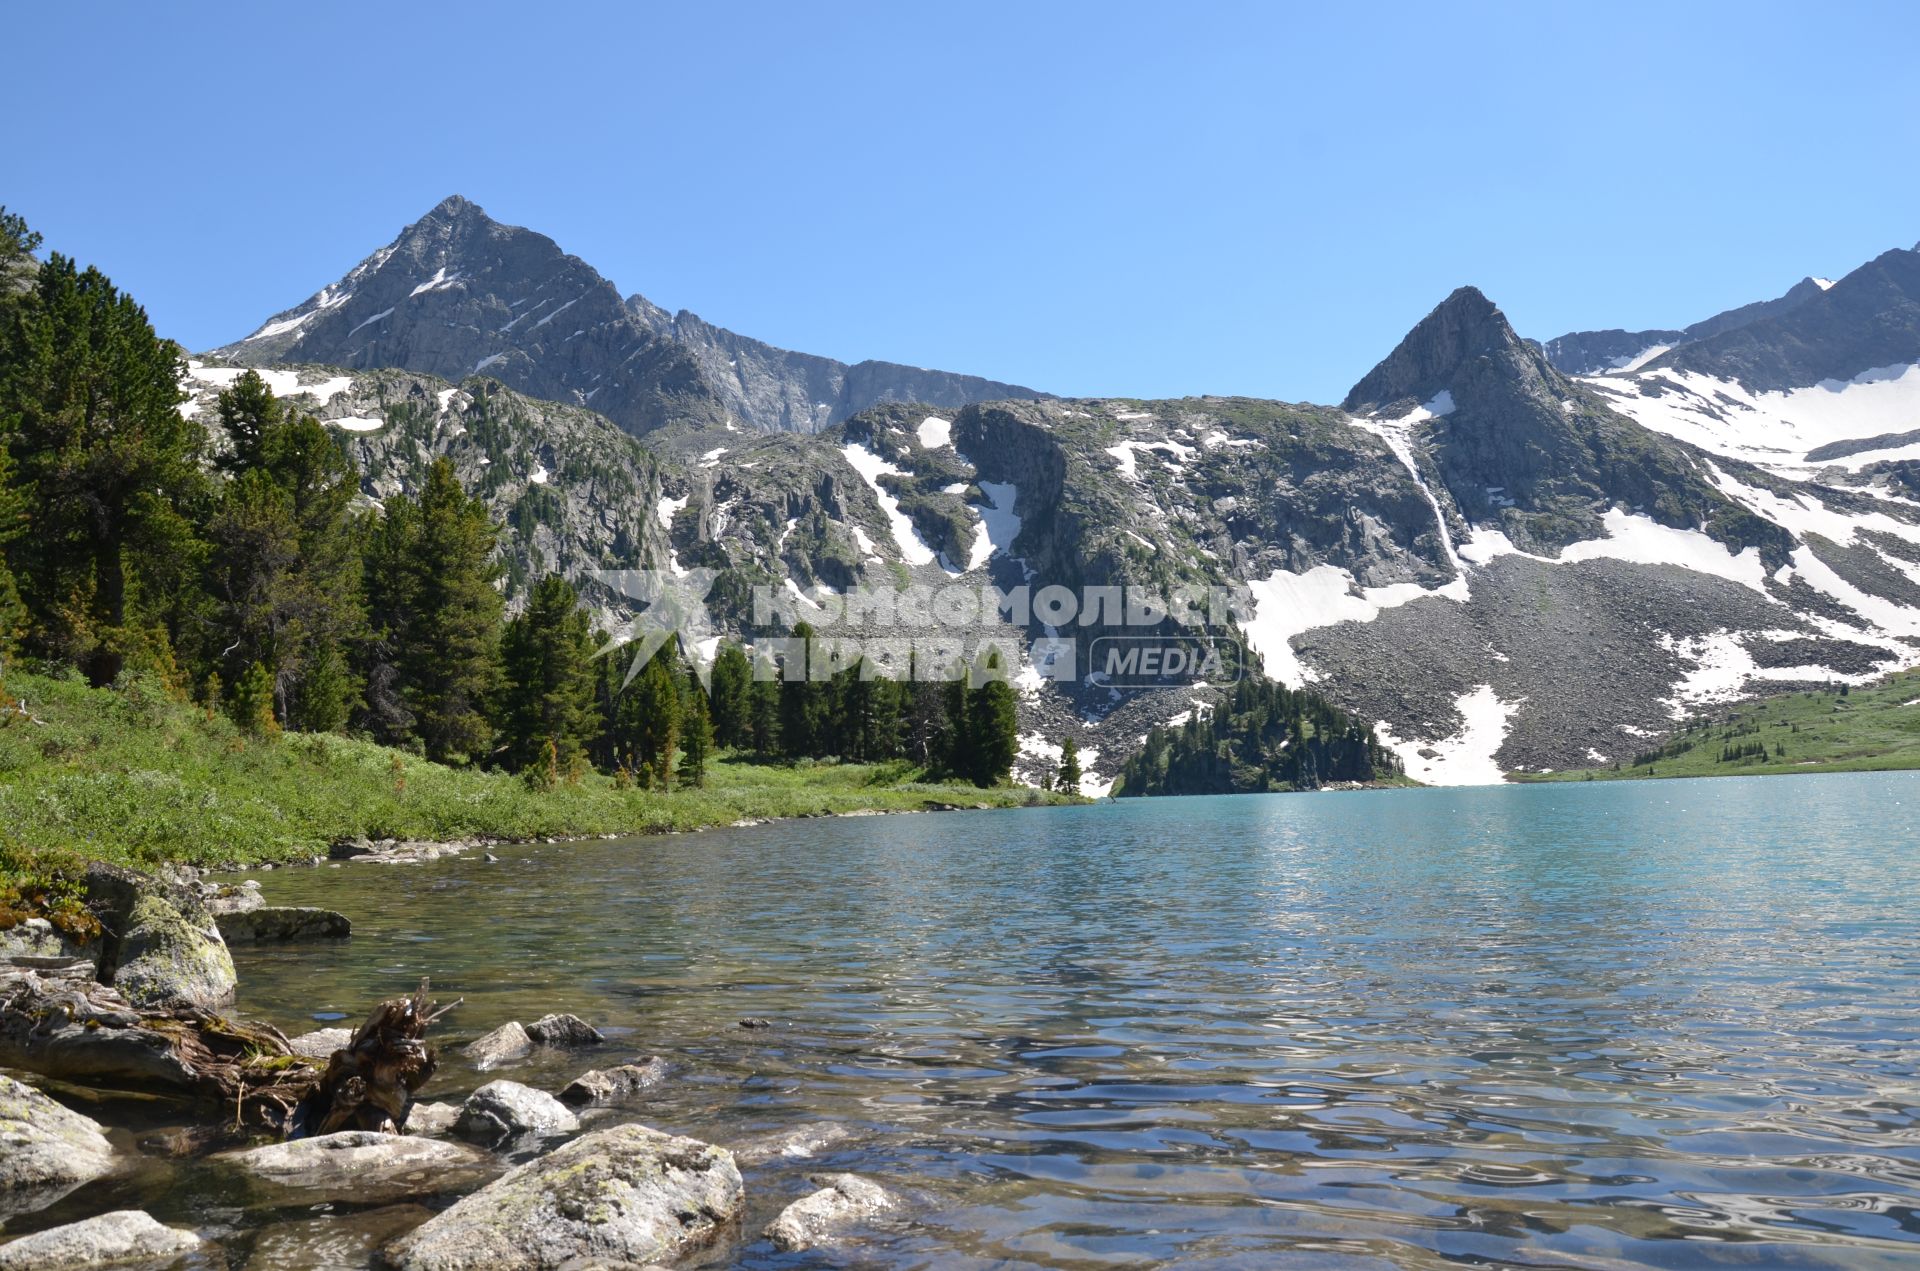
[(1591, 1026)]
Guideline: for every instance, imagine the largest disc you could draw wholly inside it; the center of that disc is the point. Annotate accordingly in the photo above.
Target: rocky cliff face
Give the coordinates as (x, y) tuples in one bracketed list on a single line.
[(460, 294)]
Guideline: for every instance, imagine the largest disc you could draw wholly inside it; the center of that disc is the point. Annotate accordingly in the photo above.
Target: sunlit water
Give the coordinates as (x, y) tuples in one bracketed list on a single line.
[(1604, 1025)]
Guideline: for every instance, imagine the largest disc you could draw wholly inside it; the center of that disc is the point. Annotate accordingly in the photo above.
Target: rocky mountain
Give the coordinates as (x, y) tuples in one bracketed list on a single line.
[(1506, 566), (1601, 352), (459, 294)]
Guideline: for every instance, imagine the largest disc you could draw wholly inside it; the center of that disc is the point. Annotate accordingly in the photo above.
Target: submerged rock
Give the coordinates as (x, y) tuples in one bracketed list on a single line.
[(610, 1085), (365, 1165), (272, 924), (564, 1030), (126, 1235), (795, 1144), (321, 1042), (842, 1200), (504, 1044), (502, 1111), (46, 1149), (333, 1240), (620, 1196)]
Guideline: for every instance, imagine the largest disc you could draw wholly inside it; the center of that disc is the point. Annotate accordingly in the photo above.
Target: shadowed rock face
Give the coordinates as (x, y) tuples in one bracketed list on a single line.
[(1866, 320), (458, 294)]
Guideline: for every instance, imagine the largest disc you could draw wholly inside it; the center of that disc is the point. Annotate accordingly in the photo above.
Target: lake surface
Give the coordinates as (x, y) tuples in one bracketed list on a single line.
[(1668, 1024)]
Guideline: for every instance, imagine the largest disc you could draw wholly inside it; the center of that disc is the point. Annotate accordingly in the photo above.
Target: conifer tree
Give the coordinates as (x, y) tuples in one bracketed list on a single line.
[(763, 717), (547, 702), (696, 734), (993, 728), (805, 702), (247, 410), (923, 711), (434, 664), (107, 469), (647, 721), (253, 702), (732, 681), (1069, 776)]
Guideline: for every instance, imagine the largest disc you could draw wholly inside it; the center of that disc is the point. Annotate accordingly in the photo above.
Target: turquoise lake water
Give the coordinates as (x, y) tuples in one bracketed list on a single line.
[(1669, 1024)]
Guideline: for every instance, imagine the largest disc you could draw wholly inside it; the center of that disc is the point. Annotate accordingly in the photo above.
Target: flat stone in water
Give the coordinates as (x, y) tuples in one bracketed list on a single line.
[(364, 1165), (126, 1235), (611, 1085), (273, 924)]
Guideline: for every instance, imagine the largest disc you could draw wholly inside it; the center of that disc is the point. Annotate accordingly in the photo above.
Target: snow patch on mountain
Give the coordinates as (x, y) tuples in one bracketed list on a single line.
[(439, 281), (1466, 757), (1773, 429), (870, 466), (1287, 604), (935, 432)]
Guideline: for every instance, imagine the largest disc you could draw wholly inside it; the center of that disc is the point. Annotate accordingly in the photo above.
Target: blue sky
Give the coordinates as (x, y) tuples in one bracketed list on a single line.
[(1123, 199)]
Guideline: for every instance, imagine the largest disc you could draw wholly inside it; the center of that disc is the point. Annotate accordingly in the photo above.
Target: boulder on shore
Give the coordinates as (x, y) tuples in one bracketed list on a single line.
[(126, 1235), (503, 1045), (626, 1195), (365, 1165), (271, 924), (46, 1149), (161, 947), (843, 1199), (599, 1086), (564, 1030), (502, 1111)]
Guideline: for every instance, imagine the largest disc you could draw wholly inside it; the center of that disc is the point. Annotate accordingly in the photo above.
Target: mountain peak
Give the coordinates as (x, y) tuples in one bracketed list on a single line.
[(1464, 326)]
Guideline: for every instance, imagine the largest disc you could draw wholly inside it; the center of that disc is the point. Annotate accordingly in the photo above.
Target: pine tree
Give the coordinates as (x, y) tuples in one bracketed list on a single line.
[(647, 721), (253, 701), (107, 469), (434, 660), (923, 715), (993, 726), (732, 705), (1069, 778), (547, 702), (763, 717), (387, 554), (806, 703), (247, 410), (696, 734)]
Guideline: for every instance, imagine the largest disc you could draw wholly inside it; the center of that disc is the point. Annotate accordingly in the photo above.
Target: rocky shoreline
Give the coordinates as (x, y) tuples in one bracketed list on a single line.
[(510, 1177)]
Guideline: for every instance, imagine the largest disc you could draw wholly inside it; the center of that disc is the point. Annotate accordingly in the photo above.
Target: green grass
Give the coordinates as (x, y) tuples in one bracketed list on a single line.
[(1874, 728), (132, 776)]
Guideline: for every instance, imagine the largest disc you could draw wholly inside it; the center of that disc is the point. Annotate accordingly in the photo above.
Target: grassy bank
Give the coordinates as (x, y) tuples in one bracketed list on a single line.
[(1873, 728), (132, 776)]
